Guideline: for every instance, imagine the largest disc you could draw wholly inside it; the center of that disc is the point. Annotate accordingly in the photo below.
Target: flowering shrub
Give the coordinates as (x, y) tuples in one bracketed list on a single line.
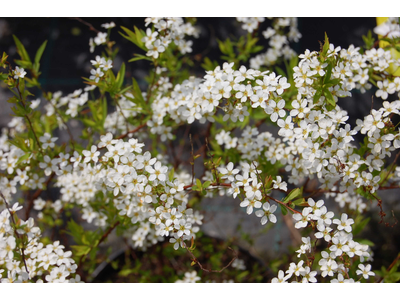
[(128, 176)]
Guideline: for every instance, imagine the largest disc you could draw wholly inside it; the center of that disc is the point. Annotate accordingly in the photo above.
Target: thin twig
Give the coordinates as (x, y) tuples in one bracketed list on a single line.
[(103, 237), (132, 131), (209, 270), (191, 143), (87, 24), (391, 266)]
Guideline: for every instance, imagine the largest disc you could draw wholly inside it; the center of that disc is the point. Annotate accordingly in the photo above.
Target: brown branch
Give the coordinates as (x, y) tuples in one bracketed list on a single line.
[(194, 259), (391, 266), (107, 233), (132, 131), (103, 237), (86, 23), (382, 214)]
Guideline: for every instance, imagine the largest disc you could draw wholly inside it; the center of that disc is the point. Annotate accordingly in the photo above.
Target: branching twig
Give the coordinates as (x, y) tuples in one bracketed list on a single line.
[(103, 237), (209, 270)]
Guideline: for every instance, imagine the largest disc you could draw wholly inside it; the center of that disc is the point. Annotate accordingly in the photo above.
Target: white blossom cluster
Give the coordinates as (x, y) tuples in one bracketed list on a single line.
[(74, 101), (36, 262), (337, 258), (101, 65), (249, 23), (319, 142), (101, 37), (248, 183), (280, 35), (116, 121), (140, 187), (390, 28), (166, 31), (224, 90)]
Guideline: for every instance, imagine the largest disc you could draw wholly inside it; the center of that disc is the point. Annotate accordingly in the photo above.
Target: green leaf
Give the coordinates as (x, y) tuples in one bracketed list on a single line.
[(171, 174), (293, 194), (139, 57), (104, 110), (134, 37), (328, 73), (393, 277), (23, 157), (120, 78), (39, 52), (23, 63), (21, 50), (326, 45), (75, 230), (360, 223), (222, 47), (280, 71), (242, 275), (329, 97), (137, 93), (206, 184), (317, 95), (198, 183), (80, 250), (208, 64), (283, 209), (89, 123), (3, 76)]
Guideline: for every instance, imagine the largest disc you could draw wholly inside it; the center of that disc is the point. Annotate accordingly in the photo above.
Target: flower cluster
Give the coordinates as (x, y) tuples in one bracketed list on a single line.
[(166, 31), (33, 261), (140, 187), (280, 35), (101, 65), (342, 250), (118, 178)]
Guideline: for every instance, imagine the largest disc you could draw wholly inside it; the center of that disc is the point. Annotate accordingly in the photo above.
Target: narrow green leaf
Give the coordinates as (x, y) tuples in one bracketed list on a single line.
[(139, 57), (21, 49), (326, 45), (104, 110), (137, 92), (120, 78), (198, 183), (23, 63), (283, 209), (222, 47), (139, 36), (40, 51), (328, 73), (329, 97), (293, 194)]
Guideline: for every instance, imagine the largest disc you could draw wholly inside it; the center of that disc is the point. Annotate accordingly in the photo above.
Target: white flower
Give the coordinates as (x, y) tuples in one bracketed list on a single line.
[(344, 223), (159, 172), (365, 271), (91, 155), (101, 38), (267, 213), (19, 73)]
